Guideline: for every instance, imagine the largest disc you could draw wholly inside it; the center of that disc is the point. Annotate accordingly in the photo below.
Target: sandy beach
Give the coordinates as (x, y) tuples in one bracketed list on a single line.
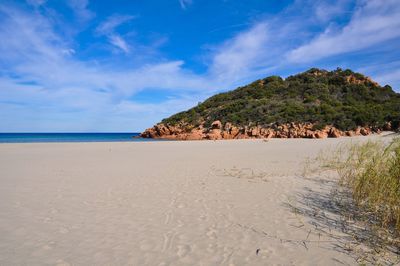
[(167, 203)]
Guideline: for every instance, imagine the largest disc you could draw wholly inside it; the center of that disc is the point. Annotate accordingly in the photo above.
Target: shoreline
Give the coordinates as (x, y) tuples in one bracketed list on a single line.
[(158, 140)]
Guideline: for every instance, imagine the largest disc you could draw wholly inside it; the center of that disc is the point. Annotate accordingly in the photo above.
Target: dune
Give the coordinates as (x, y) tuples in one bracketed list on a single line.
[(224, 202)]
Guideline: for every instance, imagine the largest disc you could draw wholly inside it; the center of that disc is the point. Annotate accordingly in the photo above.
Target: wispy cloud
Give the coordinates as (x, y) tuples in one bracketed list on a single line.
[(119, 42), (80, 8), (326, 11), (108, 28), (241, 54), (44, 82), (373, 22), (185, 3), (40, 72), (391, 77), (112, 23)]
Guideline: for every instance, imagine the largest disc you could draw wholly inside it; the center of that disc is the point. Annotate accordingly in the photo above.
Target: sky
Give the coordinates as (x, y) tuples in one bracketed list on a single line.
[(124, 65)]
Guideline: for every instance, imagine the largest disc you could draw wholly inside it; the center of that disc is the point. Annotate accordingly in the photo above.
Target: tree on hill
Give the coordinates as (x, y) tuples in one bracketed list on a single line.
[(341, 98)]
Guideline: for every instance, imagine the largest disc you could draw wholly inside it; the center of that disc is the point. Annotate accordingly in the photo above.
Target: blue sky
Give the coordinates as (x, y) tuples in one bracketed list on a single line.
[(123, 65)]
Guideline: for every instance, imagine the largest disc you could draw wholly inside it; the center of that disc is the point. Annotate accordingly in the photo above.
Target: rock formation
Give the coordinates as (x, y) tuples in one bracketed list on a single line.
[(313, 104), (217, 131)]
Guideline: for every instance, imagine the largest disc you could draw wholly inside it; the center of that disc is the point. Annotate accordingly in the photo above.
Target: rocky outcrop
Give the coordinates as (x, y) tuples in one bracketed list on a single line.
[(352, 79), (218, 131)]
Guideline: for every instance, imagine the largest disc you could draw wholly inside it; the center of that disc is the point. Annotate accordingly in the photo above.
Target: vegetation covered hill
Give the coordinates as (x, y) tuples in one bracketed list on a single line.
[(340, 98)]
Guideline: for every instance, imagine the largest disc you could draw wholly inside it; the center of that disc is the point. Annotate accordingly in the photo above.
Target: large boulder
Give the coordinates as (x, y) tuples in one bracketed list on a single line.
[(255, 131), (214, 134), (388, 126), (228, 126), (195, 135), (334, 133), (320, 135), (365, 131), (162, 129), (216, 125)]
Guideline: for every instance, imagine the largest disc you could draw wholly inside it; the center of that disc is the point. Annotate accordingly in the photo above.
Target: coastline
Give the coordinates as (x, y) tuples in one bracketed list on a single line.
[(167, 202), (137, 139), (69, 137)]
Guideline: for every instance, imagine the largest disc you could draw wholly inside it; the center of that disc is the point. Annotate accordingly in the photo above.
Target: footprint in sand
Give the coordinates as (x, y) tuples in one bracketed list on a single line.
[(202, 218), (180, 223), (146, 246), (181, 205), (49, 245), (212, 233), (168, 217), (63, 230), (172, 203), (168, 238), (212, 248), (183, 250)]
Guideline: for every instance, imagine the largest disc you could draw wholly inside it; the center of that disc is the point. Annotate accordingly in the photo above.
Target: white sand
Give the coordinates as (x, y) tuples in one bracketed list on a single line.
[(163, 203)]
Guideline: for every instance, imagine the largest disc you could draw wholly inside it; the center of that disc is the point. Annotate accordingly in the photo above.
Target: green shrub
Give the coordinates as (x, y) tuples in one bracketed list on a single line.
[(315, 95)]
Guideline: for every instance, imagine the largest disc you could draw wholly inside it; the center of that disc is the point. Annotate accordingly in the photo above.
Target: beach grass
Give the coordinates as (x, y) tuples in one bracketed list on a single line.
[(371, 171)]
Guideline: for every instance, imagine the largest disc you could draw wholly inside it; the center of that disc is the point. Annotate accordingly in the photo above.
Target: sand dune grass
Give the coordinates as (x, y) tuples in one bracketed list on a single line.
[(372, 172)]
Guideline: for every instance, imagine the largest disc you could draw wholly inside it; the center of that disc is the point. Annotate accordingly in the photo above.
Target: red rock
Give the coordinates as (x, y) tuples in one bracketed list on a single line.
[(216, 125), (387, 126), (365, 131), (357, 131), (214, 134), (334, 133), (255, 132), (229, 131), (270, 133), (228, 126), (162, 130), (320, 135), (195, 135), (227, 135), (234, 131)]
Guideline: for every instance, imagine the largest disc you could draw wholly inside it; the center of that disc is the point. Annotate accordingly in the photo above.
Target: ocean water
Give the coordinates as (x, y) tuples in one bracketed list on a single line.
[(68, 137)]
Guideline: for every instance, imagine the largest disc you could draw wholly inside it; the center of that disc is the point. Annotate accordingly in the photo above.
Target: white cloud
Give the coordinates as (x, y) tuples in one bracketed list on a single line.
[(239, 55), (119, 42), (326, 11), (185, 3), (373, 22), (68, 51), (81, 10), (112, 23), (108, 28), (44, 84), (385, 72), (40, 75)]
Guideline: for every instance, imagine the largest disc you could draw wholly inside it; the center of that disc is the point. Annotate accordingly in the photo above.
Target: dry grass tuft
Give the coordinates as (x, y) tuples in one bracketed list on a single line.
[(372, 172)]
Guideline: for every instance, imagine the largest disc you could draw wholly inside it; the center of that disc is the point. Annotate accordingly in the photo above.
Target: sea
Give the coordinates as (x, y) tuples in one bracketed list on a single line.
[(70, 137)]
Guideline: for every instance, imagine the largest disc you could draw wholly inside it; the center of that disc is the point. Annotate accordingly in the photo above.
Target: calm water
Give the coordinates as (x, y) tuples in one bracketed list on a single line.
[(68, 137)]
